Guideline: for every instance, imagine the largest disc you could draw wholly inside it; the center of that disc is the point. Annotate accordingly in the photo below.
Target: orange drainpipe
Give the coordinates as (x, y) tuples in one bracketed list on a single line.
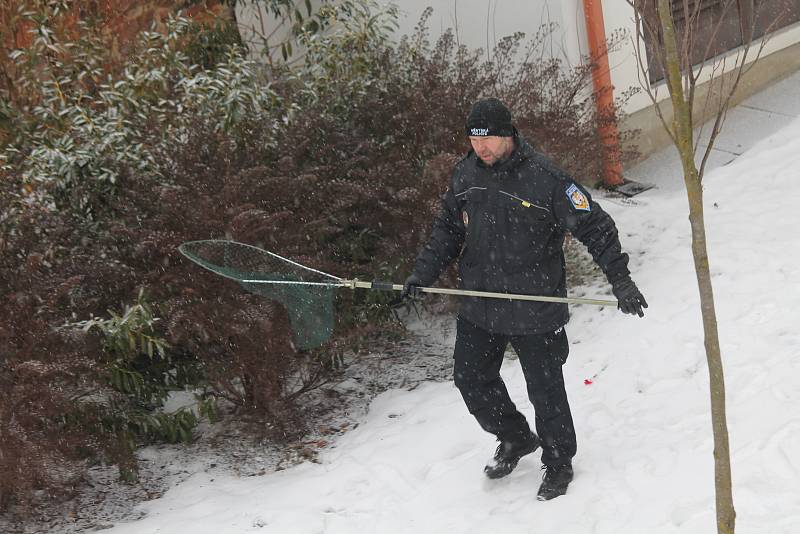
[(601, 77)]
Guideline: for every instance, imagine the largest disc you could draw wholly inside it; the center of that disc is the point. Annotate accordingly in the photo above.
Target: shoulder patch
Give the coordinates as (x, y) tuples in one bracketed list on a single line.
[(578, 199)]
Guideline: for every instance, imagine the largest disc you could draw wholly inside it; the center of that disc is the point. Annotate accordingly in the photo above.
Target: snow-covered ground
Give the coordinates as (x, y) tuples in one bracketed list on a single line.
[(638, 390)]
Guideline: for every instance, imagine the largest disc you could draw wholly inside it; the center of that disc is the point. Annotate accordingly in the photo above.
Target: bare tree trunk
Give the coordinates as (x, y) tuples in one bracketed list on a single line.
[(682, 128), (726, 515)]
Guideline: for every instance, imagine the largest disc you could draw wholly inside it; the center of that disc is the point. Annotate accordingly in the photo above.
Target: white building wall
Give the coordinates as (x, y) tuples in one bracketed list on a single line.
[(482, 23), (477, 23), (618, 15)]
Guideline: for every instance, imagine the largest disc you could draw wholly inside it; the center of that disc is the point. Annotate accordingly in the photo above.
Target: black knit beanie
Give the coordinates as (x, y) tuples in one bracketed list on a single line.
[(489, 117)]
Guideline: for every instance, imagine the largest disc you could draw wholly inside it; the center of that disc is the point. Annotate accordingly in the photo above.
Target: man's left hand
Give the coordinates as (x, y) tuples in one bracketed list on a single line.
[(630, 299)]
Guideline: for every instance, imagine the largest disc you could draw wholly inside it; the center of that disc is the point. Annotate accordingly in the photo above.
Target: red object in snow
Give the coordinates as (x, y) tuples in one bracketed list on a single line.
[(587, 382)]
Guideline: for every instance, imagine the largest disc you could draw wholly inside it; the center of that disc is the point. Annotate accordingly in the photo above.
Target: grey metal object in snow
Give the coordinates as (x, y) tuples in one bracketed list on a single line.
[(631, 188)]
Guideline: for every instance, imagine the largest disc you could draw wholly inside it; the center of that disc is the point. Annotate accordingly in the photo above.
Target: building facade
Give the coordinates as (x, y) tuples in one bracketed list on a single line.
[(482, 23)]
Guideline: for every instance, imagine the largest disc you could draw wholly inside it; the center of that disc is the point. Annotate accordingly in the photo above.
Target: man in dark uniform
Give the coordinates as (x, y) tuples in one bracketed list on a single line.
[(505, 216)]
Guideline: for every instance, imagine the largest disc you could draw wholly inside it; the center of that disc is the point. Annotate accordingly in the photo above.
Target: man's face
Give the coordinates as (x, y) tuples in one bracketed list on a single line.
[(491, 148)]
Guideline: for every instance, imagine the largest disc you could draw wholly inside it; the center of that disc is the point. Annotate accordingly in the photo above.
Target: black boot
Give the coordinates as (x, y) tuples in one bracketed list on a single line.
[(508, 454), (555, 481)]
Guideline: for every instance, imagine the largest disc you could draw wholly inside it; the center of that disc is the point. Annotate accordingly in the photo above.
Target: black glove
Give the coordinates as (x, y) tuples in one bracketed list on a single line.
[(630, 299), (411, 287)]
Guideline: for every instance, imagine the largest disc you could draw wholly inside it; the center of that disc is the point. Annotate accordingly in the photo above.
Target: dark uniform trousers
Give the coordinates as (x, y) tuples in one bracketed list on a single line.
[(478, 357)]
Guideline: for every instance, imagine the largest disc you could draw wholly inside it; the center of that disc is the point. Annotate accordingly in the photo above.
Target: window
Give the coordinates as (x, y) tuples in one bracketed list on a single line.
[(718, 25)]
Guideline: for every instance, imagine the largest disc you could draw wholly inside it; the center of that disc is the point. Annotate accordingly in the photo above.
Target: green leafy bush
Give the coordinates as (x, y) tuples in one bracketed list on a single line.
[(141, 371), (84, 128)]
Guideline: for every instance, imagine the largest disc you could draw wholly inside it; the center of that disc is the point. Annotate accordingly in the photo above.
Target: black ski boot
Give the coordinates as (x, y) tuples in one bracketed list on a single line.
[(508, 454), (555, 481)]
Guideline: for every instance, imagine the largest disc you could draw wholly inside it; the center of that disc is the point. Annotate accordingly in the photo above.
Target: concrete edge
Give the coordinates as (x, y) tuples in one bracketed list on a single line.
[(767, 71)]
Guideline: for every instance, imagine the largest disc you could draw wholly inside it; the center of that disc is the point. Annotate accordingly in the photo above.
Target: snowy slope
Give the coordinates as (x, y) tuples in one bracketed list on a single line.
[(644, 462)]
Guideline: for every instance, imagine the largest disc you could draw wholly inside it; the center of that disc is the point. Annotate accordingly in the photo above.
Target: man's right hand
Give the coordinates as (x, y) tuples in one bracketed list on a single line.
[(411, 287)]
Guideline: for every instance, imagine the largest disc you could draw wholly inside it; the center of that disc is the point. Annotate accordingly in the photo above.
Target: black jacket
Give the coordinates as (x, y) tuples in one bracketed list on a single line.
[(507, 223)]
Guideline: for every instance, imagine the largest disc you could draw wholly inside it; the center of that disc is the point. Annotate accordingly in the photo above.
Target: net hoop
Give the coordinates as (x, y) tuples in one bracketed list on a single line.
[(184, 249)]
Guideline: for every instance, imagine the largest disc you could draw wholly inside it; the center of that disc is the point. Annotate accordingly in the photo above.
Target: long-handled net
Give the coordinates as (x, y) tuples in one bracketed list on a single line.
[(306, 293)]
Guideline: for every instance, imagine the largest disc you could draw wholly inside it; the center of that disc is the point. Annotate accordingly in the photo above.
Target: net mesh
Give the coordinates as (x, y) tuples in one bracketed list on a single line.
[(307, 294)]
